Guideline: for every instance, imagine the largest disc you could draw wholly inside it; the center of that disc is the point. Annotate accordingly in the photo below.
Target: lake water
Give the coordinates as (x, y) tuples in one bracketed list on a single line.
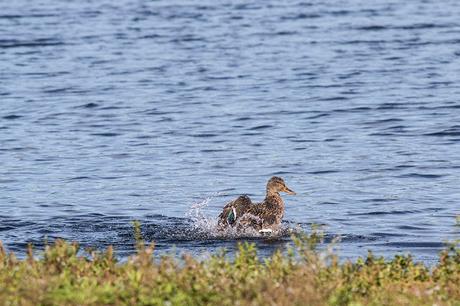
[(162, 111)]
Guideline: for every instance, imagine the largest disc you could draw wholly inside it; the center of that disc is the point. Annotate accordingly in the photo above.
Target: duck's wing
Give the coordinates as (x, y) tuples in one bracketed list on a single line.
[(258, 216), (234, 209), (253, 217), (264, 212)]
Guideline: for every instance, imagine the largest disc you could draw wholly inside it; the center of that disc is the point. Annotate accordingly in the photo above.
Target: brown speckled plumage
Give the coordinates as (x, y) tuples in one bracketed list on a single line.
[(268, 214)]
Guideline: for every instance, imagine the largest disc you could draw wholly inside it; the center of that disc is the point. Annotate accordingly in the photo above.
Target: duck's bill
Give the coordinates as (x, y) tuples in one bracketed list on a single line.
[(288, 191)]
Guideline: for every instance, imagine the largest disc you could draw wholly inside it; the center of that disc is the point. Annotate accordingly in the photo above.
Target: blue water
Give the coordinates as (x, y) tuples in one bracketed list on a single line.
[(113, 111)]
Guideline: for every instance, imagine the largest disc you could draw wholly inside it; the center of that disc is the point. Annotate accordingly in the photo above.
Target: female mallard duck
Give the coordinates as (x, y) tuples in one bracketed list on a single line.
[(264, 217)]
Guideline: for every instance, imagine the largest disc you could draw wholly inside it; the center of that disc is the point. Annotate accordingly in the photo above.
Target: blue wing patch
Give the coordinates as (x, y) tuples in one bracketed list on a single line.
[(231, 217)]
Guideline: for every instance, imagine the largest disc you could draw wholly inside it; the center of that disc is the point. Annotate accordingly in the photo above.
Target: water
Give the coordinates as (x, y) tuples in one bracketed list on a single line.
[(113, 111)]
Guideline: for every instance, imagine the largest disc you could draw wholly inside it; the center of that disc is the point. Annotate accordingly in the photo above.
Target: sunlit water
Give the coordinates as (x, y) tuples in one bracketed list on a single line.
[(113, 111)]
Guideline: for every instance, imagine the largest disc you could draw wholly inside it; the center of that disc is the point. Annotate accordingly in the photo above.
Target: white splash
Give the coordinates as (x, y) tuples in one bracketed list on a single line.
[(200, 221), (207, 226)]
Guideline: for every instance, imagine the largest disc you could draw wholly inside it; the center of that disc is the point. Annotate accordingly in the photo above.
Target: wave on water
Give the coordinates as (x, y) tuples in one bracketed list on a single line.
[(196, 231)]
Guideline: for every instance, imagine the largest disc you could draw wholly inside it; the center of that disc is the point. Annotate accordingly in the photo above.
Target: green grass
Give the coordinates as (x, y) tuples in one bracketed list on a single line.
[(302, 276)]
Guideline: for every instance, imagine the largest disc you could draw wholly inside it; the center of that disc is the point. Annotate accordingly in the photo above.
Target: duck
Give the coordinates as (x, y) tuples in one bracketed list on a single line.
[(264, 217)]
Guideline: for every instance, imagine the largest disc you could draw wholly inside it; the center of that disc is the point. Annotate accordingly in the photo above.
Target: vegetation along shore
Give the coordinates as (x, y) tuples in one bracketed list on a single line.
[(65, 275)]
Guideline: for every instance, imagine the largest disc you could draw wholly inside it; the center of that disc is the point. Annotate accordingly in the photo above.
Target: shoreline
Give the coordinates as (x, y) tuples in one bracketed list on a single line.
[(303, 275)]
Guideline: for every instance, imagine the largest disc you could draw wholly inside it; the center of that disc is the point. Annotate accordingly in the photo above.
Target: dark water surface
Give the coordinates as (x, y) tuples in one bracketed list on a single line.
[(112, 111)]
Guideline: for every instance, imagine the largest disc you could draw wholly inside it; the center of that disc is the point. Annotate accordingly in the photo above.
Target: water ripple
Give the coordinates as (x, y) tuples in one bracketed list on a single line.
[(113, 111)]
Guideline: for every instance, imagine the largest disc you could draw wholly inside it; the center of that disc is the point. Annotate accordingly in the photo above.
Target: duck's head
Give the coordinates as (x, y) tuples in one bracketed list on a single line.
[(277, 184)]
